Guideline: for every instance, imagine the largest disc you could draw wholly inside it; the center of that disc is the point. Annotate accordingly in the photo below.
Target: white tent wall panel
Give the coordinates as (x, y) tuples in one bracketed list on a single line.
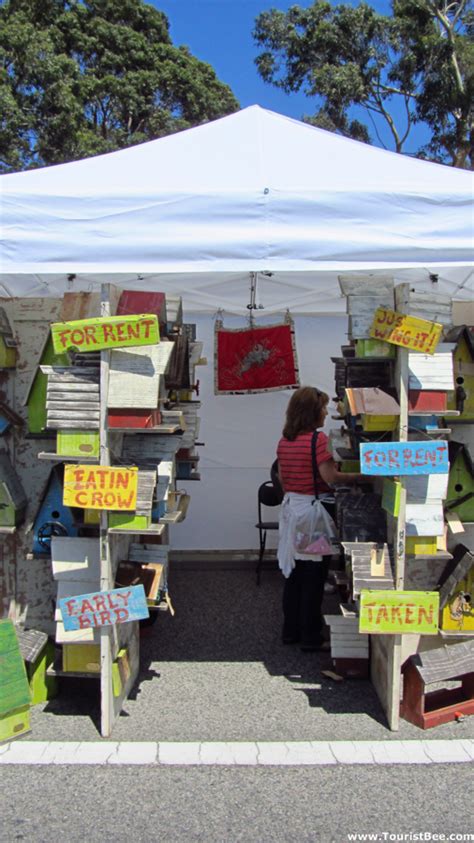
[(241, 433)]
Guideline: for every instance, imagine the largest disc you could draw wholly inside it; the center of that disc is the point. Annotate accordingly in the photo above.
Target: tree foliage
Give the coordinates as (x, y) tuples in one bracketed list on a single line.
[(82, 77), (414, 65)]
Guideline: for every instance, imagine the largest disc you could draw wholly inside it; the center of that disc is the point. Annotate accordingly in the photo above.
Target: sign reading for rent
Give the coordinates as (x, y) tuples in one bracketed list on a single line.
[(100, 487), (103, 333), (406, 331), (401, 458)]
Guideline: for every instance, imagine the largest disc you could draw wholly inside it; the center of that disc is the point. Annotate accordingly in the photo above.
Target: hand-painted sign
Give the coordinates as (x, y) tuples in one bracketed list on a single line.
[(110, 332), (407, 331), (399, 458), (100, 487), (104, 608), (397, 612)]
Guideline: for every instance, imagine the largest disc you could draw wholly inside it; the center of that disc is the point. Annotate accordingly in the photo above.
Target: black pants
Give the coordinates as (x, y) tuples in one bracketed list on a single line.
[(303, 594)]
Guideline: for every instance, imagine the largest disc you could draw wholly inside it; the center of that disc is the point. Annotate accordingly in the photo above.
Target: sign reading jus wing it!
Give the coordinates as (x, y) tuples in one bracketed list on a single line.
[(404, 330), (104, 608), (110, 332), (393, 458), (100, 487)]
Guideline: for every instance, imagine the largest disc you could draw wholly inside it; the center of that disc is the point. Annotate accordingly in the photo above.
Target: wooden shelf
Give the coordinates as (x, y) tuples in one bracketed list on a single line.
[(154, 530), (159, 428), (440, 554), (171, 518), (445, 634), (441, 413), (71, 674), (84, 458)]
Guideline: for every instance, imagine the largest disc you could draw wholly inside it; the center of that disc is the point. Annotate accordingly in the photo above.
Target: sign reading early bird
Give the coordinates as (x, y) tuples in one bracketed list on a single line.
[(102, 333), (398, 612), (100, 487), (402, 458), (406, 331), (104, 608)]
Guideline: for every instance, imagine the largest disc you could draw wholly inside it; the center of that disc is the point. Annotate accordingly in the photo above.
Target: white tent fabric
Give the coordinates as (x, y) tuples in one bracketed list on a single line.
[(196, 212)]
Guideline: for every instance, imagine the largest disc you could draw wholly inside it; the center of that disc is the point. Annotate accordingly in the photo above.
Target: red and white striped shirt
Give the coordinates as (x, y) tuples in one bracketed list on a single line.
[(296, 468)]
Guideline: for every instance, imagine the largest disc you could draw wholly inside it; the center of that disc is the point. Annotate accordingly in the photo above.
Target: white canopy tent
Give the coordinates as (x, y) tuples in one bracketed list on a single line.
[(195, 213)]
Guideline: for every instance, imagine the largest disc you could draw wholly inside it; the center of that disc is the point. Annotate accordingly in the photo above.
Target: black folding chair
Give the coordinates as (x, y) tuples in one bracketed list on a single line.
[(269, 494)]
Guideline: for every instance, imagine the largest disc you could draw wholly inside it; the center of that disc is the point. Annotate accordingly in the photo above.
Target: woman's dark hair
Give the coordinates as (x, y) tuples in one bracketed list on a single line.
[(305, 411)]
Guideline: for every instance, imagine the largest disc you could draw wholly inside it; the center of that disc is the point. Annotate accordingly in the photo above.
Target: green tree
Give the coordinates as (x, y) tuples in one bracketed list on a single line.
[(82, 77), (416, 65)]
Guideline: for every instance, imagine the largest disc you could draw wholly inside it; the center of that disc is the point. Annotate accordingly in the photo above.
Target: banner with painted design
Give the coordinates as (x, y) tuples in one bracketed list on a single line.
[(255, 359)]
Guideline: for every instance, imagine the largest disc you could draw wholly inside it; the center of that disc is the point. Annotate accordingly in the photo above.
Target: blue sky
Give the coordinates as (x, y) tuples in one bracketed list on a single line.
[(220, 32)]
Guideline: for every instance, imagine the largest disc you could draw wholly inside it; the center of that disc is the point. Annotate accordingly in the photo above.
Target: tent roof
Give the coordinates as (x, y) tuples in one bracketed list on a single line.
[(254, 191)]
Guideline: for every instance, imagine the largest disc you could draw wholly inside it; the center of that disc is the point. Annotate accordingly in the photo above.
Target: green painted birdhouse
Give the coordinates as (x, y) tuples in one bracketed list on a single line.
[(36, 394), (460, 497), (12, 495)]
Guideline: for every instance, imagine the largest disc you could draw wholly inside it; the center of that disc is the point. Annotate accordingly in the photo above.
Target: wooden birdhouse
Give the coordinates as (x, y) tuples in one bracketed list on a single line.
[(35, 398), (141, 517), (137, 376), (447, 665), (52, 518), (38, 654), (456, 594), (14, 688), (143, 301), (463, 361), (460, 496), (13, 499), (8, 344)]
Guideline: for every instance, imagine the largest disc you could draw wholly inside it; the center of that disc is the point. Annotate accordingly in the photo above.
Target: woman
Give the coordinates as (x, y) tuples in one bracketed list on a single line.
[(303, 515)]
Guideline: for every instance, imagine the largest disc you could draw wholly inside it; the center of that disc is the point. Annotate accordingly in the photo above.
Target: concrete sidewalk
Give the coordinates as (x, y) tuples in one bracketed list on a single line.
[(217, 671)]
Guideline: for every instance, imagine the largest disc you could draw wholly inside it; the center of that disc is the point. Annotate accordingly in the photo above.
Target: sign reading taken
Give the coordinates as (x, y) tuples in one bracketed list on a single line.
[(104, 608), (394, 612), (390, 458), (110, 332), (100, 487), (404, 330)]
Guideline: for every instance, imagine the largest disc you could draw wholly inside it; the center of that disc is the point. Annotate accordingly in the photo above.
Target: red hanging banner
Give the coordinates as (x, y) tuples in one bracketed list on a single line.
[(255, 359)]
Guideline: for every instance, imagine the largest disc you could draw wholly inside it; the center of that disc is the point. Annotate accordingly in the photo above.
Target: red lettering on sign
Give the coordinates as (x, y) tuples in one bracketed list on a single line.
[(108, 332), (70, 606), (87, 606), (105, 617), (99, 601), (120, 328), (121, 615), (122, 479), (112, 605), (124, 595), (396, 614), (63, 337), (134, 331), (81, 499), (382, 614), (89, 334), (147, 323), (85, 622), (428, 614), (409, 613), (125, 503), (379, 458), (393, 460), (77, 337)]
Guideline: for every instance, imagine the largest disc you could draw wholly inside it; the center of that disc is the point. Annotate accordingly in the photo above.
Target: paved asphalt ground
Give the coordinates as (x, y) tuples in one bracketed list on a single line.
[(218, 672)]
